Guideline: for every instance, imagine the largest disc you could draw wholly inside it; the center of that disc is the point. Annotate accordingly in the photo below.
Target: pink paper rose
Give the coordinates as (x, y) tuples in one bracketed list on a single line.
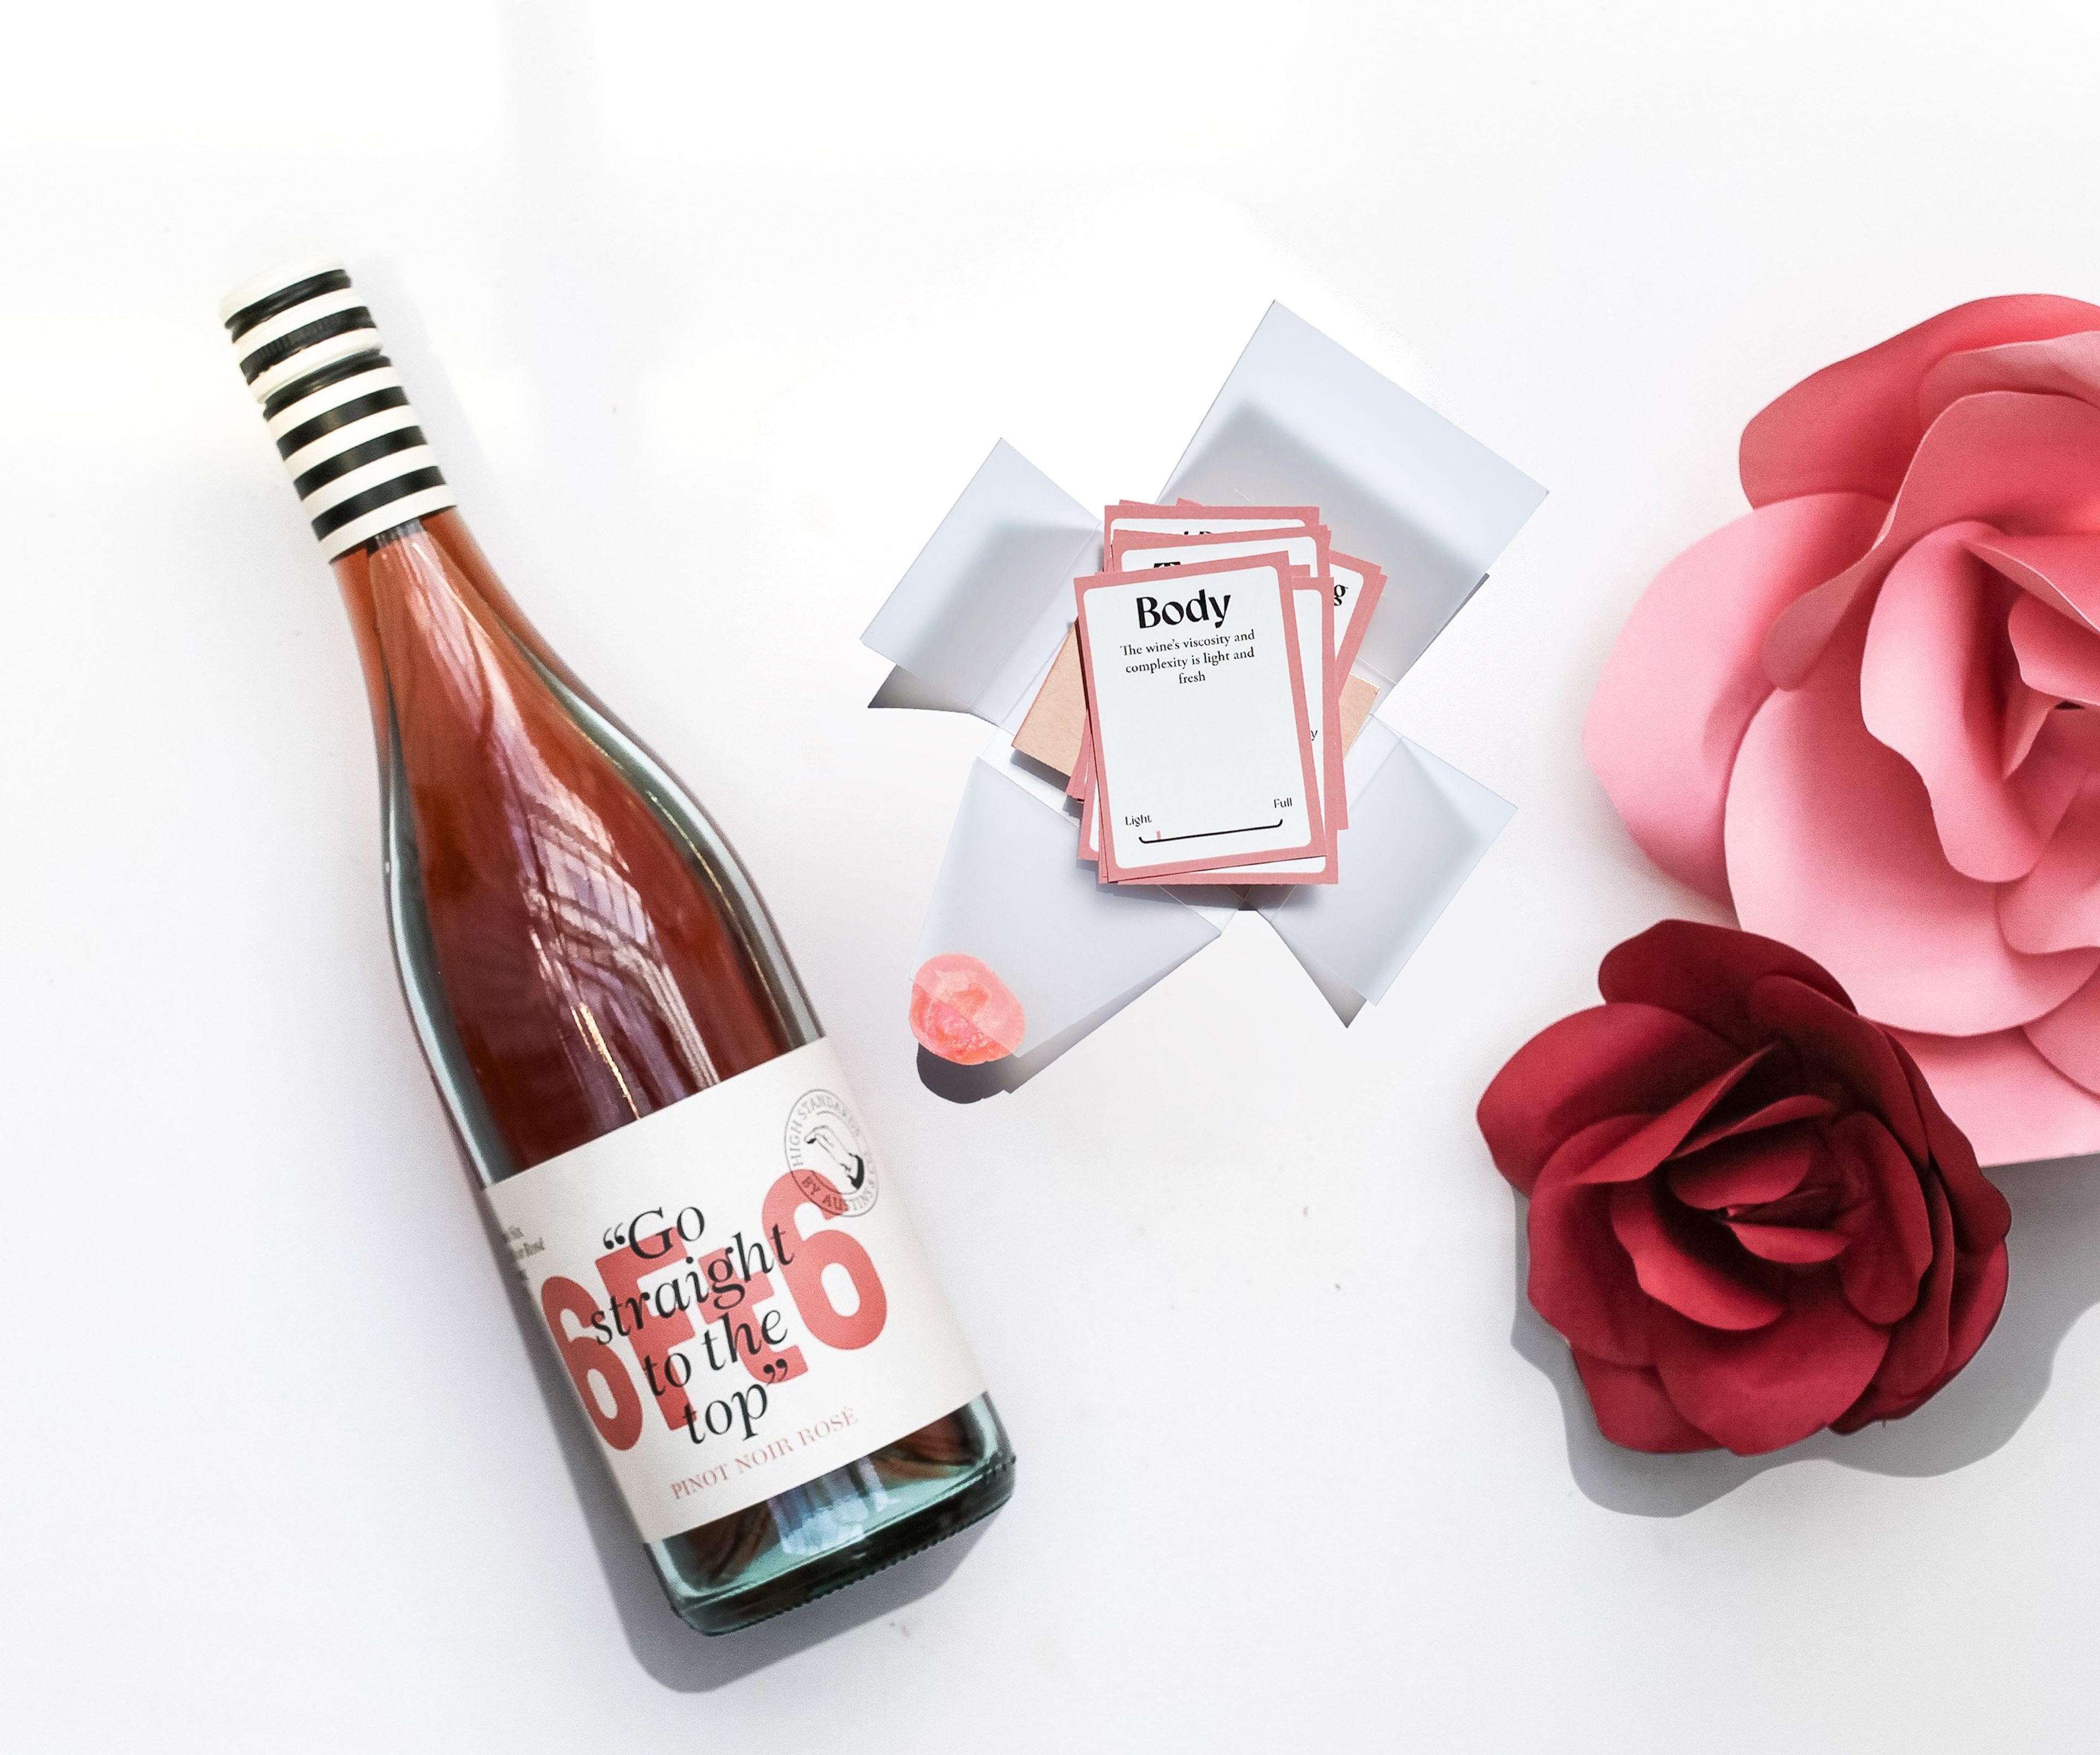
[(1865, 715)]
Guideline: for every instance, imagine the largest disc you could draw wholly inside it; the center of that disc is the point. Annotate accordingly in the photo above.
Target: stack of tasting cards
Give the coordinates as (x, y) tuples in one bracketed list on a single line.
[(1203, 701)]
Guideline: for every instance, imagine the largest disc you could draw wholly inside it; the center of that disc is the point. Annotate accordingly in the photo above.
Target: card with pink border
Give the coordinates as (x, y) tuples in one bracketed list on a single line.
[(1354, 609), (1207, 734), (1133, 551), (1134, 515)]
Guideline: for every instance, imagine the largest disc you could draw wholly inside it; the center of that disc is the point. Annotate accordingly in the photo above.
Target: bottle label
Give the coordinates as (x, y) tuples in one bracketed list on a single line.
[(736, 1292)]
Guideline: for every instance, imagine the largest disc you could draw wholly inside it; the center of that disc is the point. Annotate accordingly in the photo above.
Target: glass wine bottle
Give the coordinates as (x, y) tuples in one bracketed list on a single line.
[(633, 1069)]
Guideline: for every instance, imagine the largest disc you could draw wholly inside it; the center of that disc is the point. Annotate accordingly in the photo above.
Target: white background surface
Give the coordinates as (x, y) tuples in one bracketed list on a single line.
[(712, 311)]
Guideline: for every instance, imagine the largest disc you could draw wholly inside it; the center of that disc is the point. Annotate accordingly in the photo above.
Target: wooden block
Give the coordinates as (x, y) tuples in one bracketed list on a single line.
[(1358, 698), (1056, 723)]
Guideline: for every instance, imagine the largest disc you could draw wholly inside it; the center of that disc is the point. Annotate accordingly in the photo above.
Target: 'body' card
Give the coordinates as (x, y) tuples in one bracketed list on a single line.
[(1132, 551), (1203, 740)]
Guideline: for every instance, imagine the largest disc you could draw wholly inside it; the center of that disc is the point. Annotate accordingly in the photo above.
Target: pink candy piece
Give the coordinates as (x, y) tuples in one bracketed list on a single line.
[(964, 1012)]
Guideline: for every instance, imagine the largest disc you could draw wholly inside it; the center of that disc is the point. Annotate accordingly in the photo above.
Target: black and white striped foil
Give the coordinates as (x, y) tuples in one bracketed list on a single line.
[(334, 404)]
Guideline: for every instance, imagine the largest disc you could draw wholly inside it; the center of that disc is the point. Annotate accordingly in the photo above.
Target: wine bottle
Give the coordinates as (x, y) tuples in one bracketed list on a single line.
[(663, 1135)]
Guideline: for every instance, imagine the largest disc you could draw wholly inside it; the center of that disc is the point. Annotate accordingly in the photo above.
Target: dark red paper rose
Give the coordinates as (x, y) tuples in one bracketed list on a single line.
[(1749, 1215)]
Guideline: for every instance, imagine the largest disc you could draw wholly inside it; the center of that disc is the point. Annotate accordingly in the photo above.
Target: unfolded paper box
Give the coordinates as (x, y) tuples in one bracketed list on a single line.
[(984, 611)]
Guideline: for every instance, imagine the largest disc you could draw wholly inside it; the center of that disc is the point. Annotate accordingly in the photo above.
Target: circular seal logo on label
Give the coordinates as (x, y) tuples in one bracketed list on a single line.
[(829, 1155)]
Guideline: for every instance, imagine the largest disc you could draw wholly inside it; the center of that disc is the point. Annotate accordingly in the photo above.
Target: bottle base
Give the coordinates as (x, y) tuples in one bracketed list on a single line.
[(849, 1566), (840, 1529)]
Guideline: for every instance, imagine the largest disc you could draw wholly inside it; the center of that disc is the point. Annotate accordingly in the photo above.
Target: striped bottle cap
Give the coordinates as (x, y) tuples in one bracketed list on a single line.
[(332, 402)]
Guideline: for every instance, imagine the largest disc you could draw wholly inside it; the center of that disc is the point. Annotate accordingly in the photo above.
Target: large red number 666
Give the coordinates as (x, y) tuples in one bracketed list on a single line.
[(804, 1259), (591, 1363)]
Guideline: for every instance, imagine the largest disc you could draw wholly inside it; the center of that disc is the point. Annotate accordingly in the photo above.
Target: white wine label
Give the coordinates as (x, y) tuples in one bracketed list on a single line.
[(736, 1292)]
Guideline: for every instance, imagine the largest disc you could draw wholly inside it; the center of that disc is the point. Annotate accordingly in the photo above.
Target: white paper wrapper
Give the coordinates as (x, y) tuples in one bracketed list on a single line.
[(1302, 421), (976, 622), (1416, 828), (1013, 892), (966, 621)]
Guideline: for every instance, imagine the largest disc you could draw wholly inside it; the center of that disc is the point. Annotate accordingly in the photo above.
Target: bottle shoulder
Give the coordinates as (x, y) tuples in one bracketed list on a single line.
[(598, 947)]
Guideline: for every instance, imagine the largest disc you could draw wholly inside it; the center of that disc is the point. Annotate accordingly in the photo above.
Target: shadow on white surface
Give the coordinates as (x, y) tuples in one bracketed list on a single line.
[(2055, 1248), (974, 1084)]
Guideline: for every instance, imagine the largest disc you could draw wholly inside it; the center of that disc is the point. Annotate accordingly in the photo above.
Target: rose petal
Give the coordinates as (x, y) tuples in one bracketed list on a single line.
[(1831, 848), (2056, 906), (1930, 688), (1884, 1219), (1678, 1264), (2058, 656), (1979, 1298), (1758, 1390), (2071, 734), (1687, 672), (1821, 1194), (2069, 1036), (2026, 711), (1917, 1345), (1876, 1403), (1703, 972), (2065, 365), (1580, 1280), (2012, 1105), (1851, 427), (1632, 1410), (1611, 1060), (1983, 1215), (1643, 1150), (2061, 569), (2023, 464), (1805, 1107), (1796, 1245), (1973, 1309), (1849, 1047), (1745, 1172), (1890, 1191)]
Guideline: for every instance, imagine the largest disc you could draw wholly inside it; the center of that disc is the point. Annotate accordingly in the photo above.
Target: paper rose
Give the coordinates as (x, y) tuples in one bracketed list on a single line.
[(1863, 715), (1749, 1215)]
